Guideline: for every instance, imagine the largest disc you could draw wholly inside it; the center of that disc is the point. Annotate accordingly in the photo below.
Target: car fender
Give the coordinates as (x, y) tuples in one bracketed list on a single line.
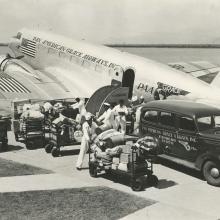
[(207, 156)]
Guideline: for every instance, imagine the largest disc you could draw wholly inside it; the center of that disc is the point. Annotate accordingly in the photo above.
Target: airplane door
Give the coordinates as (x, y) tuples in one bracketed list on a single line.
[(128, 81)]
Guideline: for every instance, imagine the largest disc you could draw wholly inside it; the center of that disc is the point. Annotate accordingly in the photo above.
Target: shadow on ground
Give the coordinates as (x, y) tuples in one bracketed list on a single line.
[(125, 180), (64, 152), (13, 148), (182, 169)]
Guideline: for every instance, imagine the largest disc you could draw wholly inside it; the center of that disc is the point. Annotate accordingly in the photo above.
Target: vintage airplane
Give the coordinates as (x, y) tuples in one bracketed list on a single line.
[(51, 66)]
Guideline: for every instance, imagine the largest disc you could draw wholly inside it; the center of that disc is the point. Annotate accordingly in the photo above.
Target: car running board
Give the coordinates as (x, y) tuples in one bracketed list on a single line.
[(179, 161)]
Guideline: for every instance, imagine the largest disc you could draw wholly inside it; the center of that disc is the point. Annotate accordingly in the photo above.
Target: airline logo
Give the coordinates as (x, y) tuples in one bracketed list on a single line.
[(9, 84), (28, 47)]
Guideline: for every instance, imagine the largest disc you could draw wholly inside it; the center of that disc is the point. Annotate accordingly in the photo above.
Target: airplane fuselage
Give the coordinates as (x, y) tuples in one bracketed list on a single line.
[(83, 67)]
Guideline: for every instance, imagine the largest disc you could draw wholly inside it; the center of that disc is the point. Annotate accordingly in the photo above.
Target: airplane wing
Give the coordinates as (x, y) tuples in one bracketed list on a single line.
[(206, 71)]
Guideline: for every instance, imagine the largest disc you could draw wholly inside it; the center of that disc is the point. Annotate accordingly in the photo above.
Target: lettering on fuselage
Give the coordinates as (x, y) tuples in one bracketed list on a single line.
[(76, 53), (161, 88)]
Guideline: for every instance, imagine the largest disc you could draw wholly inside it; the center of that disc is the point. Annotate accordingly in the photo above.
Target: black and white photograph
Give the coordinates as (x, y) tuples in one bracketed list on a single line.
[(109, 110)]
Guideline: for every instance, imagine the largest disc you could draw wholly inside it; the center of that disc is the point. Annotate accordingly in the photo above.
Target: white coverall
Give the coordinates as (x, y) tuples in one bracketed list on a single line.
[(107, 118), (85, 142), (120, 119), (82, 110)]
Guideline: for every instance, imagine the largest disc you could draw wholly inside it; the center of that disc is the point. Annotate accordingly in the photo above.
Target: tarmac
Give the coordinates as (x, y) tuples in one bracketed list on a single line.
[(178, 195)]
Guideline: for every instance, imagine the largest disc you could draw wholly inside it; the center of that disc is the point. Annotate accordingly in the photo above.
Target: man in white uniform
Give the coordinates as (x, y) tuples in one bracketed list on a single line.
[(120, 112), (106, 118), (88, 129), (80, 105)]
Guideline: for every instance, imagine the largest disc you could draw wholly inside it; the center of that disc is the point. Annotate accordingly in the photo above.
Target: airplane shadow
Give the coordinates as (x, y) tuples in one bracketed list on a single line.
[(182, 169)]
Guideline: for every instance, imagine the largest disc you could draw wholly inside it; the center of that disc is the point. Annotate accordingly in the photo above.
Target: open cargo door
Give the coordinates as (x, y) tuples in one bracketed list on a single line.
[(110, 94)]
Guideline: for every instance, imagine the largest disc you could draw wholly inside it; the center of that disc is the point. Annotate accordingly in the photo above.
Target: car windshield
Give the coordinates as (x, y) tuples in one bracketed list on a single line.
[(208, 122)]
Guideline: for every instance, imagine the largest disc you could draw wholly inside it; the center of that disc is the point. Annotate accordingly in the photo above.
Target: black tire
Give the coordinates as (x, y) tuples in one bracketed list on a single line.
[(138, 183), (4, 145), (93, 170), (152, 180), (211, 173), (48, 147), (30, 145), (108, 172), (55, 152)]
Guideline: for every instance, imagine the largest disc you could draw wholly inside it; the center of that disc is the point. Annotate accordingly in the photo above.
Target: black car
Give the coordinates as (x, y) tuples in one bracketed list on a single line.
[(188, 132)]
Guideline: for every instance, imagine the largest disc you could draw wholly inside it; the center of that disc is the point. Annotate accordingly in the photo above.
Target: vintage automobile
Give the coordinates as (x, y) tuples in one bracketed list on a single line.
[(189, 134)]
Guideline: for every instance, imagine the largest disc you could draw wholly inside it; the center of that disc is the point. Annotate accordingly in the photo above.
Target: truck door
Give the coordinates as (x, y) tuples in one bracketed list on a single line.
[(168, 132), (186, 147)]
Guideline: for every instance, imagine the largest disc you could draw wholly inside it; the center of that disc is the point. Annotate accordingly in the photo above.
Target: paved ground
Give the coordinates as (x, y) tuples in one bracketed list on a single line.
[(178, 195)]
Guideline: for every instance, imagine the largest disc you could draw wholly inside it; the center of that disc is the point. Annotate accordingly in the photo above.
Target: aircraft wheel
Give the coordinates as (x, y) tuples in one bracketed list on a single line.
[(55, 152), (211, 173), (48, 147), (138, 183)]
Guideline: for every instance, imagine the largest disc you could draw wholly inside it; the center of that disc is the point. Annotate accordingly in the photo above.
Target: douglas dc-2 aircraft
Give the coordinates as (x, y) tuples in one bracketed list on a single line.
[(51, 66)]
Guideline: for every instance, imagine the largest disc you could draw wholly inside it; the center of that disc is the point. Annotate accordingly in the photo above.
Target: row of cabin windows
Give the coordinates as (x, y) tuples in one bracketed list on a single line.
[(168, 119)]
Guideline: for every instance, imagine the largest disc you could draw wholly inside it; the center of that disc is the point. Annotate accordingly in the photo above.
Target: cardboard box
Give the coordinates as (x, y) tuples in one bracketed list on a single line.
[(126, 149), (115, 160), (123, 166), (125, 158)]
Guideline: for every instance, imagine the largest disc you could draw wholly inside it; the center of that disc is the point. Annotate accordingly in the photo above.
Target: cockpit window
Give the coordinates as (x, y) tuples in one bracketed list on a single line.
[(18, 36)]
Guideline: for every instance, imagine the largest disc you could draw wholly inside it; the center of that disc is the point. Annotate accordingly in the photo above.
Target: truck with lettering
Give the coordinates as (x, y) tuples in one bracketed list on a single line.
[(188, 132)]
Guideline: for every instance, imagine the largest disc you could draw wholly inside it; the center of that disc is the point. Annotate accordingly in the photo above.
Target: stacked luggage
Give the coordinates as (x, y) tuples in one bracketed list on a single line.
[(125, 156)]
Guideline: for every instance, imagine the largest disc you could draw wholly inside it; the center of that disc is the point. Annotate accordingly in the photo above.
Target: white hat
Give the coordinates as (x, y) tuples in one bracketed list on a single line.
[(106, 103), (134, 98), (88, 116)]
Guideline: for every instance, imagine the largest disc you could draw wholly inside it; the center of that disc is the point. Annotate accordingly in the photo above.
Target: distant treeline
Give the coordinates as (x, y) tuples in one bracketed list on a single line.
[(167, 45)]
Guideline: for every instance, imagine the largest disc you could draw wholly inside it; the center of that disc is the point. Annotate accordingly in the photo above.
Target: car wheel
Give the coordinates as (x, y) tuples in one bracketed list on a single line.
[(93, 169), (55, 152), (48, 147), (211, 173), (138, 183)]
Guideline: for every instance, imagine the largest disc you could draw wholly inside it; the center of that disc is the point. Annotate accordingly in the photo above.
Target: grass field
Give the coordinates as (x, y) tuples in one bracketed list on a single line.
[(10, 168), (98, 203)]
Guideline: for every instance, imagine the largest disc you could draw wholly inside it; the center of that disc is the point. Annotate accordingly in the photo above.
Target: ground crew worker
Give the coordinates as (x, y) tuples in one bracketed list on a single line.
[(80, 105), (106, 118), (120, 112), (88, 129)]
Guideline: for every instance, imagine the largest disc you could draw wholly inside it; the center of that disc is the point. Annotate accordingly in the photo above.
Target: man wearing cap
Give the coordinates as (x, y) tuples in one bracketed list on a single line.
[(106, 118), (88, 129), (120, 112)]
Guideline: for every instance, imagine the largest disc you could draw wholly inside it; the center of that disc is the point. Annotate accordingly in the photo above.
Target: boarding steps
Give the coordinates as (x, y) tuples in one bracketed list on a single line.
[(110, 94)]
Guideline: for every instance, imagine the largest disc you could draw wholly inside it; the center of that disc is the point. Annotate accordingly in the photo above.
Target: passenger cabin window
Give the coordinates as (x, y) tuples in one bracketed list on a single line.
[(186, 123), (151, 116), (167, 118)]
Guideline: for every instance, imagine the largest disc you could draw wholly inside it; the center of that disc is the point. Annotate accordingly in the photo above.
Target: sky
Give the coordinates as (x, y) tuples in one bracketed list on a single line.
[(116, 21)]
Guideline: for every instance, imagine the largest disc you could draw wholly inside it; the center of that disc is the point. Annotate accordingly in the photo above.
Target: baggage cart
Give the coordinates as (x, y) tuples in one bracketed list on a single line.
[(60, 136), (137, 166)]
